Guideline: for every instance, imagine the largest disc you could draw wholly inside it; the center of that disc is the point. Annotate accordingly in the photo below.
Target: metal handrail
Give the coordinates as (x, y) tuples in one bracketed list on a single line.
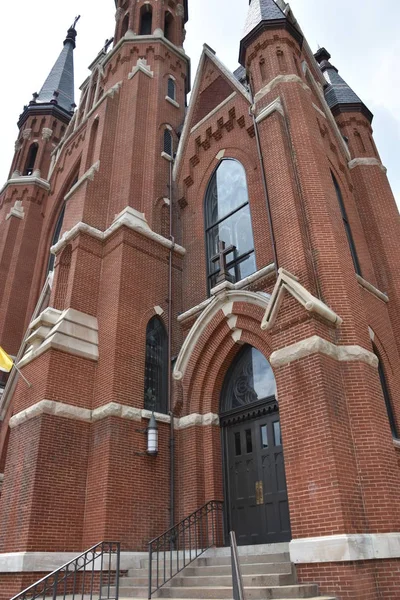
[(237, 581), (92, 574), (180, 545)]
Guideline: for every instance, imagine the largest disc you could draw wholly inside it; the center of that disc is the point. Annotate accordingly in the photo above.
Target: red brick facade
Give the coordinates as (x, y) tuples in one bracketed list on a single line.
[(71, 479)]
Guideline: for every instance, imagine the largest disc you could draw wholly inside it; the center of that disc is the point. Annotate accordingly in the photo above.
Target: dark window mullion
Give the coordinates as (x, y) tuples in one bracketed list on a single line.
[(226, 217)]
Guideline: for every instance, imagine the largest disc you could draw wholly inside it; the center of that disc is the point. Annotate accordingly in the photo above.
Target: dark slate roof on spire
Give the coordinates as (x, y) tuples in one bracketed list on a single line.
[(338, 93), (265, 14), (61, 77), (261, 10)]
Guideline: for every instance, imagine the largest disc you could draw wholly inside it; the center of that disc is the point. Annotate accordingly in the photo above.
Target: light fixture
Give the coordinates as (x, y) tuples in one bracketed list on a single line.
[(152, 437)]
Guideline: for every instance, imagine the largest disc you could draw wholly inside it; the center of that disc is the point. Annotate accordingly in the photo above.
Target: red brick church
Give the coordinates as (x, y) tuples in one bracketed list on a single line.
[(231, 266)]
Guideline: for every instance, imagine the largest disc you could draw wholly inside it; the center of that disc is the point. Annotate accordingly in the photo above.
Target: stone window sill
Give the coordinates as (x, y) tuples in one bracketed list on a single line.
[(372, 289), (172, 101), (167, 156)]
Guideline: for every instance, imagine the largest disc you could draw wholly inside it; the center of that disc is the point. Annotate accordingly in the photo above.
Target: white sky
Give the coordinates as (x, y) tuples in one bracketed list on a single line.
[(361, 35)]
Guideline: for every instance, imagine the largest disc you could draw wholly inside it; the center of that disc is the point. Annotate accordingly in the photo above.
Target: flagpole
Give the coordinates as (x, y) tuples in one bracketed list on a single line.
[(23, 377)]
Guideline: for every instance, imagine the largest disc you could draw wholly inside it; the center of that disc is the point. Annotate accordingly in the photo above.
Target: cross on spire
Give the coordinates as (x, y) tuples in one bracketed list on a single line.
[(223, 252)]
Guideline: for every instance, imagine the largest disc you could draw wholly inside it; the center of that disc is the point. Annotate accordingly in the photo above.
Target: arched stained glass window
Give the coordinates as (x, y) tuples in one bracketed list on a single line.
[(250, 379), (386, 395), (228, 219), (156, 367)]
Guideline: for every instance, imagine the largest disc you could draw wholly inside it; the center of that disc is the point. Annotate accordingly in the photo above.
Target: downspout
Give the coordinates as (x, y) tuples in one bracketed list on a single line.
[(170, 407), (264, 181)]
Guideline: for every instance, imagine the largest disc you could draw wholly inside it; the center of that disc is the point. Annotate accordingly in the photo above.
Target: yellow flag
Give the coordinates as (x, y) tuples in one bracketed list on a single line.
[(6, 362)]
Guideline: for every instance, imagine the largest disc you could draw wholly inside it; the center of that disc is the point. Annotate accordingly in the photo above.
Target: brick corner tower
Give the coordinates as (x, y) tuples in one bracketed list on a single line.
[(228, 270)]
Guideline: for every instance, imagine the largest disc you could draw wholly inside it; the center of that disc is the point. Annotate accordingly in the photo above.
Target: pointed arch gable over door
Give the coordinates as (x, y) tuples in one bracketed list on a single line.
[(254, 471)]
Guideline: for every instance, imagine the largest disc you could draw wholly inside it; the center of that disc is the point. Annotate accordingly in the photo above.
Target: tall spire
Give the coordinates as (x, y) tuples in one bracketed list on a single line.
[(57, 92), (264, 14), (338, 94), (61, 77)]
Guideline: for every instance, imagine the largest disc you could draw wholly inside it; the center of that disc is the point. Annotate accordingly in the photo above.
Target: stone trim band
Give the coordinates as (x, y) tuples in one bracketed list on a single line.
[(113, 409), (317, 345), (345, 547)]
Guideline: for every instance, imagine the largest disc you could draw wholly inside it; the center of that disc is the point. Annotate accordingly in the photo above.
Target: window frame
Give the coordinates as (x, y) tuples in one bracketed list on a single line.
[(237, 260)]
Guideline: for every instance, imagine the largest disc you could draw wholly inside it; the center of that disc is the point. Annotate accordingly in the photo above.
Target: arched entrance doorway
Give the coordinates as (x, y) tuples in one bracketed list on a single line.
[(255, 482)]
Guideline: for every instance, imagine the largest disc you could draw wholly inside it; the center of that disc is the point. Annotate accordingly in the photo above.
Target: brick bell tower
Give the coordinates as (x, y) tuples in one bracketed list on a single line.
[(107, 221), (24, 196)]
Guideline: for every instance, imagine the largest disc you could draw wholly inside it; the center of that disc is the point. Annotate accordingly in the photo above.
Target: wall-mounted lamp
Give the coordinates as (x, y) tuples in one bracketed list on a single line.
[(152, 437)]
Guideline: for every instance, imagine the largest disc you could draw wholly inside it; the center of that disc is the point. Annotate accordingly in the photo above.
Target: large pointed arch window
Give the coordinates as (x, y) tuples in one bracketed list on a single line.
[(250, 379), (228, 219), (156, 367)]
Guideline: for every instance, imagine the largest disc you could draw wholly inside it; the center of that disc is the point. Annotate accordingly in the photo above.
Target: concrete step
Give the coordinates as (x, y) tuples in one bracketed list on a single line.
[(129, 597), (247, 569), (285, 592), (226, 580), (183, 579), (251, 593), (210, 561), (205, 560)]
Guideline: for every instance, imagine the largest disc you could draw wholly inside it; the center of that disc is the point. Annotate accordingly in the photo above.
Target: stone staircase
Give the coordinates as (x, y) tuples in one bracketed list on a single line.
[(266, 570)]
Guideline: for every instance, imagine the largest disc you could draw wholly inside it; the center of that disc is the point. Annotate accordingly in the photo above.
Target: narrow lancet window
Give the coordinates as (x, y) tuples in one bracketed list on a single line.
[(146, 19), (168, 142), (156, 367), (168, 26), (386, 395), (347, 227), (30, 161), (171, 89)]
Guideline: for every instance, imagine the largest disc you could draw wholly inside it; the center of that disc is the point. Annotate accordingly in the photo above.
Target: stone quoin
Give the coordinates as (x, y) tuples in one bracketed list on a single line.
[(231, 266)]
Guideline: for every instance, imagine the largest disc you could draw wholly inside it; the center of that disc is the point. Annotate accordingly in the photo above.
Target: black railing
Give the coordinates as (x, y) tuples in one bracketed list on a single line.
[(237, 581), (175, 549), (93, 574)]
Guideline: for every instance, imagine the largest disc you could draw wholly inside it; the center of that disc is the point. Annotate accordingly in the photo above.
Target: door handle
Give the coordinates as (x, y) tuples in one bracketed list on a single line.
[(259, 492)]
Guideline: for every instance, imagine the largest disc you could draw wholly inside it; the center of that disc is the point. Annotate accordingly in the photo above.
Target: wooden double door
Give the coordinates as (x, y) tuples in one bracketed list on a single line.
[(255, 482)]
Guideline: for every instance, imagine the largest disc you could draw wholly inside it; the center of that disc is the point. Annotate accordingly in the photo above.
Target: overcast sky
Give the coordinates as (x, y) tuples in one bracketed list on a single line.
[(362, 36)]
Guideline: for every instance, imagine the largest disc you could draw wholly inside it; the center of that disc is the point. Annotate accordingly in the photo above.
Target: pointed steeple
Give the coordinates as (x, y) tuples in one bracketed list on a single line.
[(58, 89), (338, 94), (262, 15)]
